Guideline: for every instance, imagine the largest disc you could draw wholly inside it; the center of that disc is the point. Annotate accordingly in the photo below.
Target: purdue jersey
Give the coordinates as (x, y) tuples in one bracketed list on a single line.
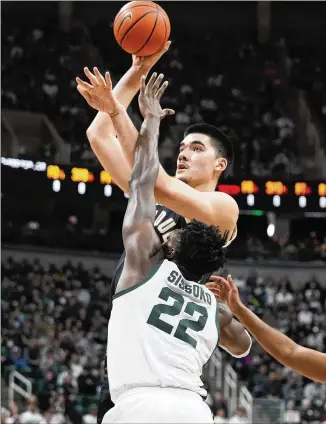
[(161, 333)]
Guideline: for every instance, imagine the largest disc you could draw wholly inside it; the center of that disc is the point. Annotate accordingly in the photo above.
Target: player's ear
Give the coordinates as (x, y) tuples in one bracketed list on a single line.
[(168, 250), (170, 253), (221, 164)]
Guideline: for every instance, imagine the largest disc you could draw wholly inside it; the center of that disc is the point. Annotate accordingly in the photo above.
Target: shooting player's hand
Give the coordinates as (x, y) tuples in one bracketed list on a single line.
[(98, 93)]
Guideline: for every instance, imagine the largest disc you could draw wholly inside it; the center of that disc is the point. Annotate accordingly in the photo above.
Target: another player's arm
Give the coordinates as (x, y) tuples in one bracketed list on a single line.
[(101, 133), (308, 362), (141, 242), (234, 338)]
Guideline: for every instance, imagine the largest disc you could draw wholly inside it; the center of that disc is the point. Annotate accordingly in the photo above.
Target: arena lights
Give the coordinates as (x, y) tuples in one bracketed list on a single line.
[(276, 188), (81, 188), (250, 200), (56, 186), (302, 201), (271, 230), (257, 212), (25, 177), (322, 202), (277, 201), (107, 190)]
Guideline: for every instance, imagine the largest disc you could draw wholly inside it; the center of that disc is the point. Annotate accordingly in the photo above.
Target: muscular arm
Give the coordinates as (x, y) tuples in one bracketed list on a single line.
[(117, 158), (212, 208), (139, 237), (233, 337), (308, 362), (102, 135)]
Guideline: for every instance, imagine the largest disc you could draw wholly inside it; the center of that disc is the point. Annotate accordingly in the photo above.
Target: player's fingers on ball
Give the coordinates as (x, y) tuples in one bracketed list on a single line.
[(99, 77), (150, 83), (142, 85), (167, 45), (161, 91), (91, 77), (108, 80)]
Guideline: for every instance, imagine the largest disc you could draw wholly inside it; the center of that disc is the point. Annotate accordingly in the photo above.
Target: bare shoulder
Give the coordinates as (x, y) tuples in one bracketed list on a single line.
[(225, 209), (227, 200)]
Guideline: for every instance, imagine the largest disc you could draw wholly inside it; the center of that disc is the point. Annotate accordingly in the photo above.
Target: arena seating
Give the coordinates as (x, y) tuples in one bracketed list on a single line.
[(248, 101), (54, 325)]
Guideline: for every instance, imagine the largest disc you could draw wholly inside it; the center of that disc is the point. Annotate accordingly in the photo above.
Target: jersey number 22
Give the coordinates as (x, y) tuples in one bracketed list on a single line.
[(174, 310)]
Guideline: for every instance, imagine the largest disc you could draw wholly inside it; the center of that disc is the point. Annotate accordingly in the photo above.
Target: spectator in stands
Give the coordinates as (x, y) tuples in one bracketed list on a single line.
[(292, 415), (11, 415), (68, 370), (240, 417), (220, 417), (32, 415), (90, 418), (219, 403)]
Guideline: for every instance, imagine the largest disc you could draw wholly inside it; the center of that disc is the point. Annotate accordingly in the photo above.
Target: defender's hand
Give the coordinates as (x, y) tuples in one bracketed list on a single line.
[(98, 93), (145, 64), (226, 291), (150, 96), (219, 287)]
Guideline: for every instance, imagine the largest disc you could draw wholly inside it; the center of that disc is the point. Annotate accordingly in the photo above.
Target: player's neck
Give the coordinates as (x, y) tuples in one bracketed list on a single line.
[(188, 275), (207, 186)]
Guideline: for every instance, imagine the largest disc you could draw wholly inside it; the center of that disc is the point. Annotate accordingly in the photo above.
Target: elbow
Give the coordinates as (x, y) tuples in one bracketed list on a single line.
[(92, 136)]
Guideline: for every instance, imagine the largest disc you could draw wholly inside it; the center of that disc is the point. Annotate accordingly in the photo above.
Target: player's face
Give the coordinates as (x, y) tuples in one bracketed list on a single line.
[(197, 162), (169, 247)]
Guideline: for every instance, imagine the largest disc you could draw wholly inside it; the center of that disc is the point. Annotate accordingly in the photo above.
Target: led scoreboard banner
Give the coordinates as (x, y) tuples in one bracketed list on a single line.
[(28, 178)]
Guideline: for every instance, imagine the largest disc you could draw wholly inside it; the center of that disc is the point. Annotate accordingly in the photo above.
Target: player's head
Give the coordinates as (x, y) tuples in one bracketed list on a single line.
[(197, 248), (205, 153)]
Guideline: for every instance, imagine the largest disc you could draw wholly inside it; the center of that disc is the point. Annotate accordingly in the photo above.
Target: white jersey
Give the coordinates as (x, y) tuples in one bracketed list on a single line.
[(161, 333)]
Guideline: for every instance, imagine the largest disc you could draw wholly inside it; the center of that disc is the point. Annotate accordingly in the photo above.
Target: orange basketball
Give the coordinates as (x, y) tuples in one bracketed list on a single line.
[(142, 28)]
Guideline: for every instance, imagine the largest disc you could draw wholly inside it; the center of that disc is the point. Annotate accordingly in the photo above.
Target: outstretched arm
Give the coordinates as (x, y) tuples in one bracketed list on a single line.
[(308, 362), (140, 239), (101, 133), (213, 208)]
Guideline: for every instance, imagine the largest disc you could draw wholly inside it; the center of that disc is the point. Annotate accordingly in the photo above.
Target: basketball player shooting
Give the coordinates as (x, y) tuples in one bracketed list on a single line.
[(204, 168), (164, 326)]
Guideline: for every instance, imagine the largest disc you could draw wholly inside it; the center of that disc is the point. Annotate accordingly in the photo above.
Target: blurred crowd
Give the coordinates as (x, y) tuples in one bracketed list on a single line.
[(252, 242), (251, 102), (54, 327), (303, 249)]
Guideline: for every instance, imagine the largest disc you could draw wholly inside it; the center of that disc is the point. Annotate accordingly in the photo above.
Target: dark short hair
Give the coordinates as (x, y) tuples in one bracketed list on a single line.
[(200, 248), (221, 137)]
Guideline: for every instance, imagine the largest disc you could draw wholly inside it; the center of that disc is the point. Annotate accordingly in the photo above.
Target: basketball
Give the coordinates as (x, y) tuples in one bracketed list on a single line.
[(142, 28)]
